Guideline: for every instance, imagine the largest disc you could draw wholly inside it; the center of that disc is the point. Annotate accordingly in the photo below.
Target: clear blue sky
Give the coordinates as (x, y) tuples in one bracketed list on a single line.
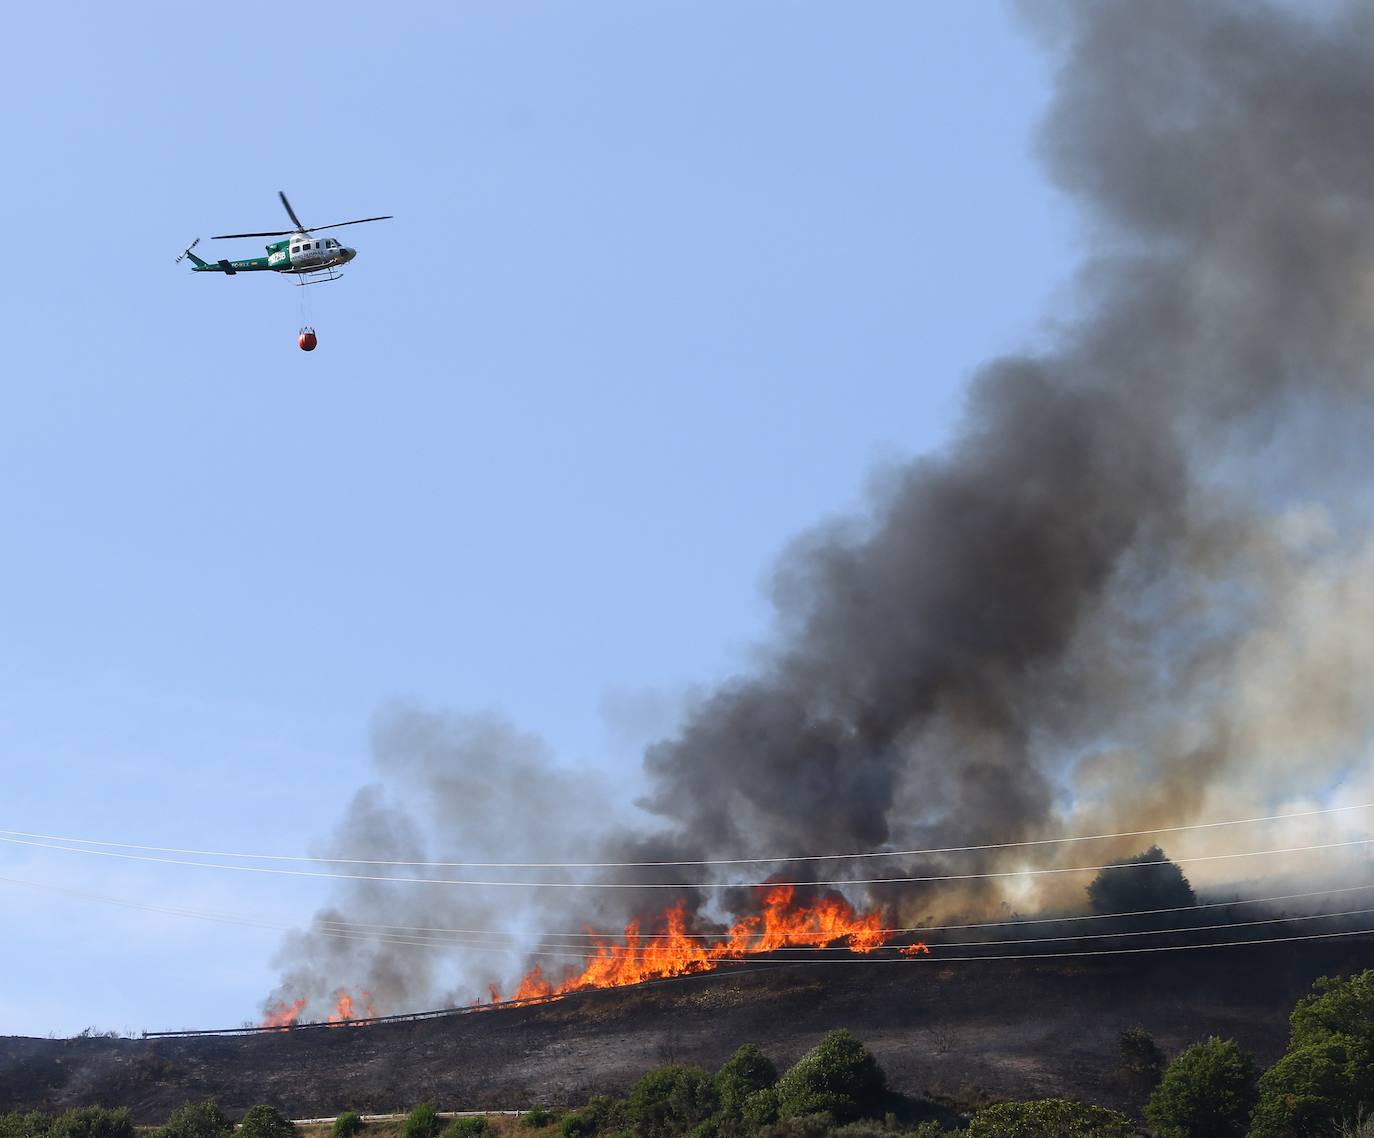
[(666, 282)]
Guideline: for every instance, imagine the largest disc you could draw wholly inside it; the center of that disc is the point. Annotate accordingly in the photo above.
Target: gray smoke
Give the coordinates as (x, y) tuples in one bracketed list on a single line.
[(1135, 589)]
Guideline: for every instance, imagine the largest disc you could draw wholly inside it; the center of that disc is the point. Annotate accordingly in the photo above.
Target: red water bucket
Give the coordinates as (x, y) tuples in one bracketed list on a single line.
[(307, 340)]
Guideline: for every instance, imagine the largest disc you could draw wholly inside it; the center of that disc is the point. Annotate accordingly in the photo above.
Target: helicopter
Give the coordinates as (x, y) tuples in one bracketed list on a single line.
[(313, 259)]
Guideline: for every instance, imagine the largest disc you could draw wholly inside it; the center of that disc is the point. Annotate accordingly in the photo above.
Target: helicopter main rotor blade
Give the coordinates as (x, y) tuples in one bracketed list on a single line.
[(384, 217), (282, 194), (273, 233)]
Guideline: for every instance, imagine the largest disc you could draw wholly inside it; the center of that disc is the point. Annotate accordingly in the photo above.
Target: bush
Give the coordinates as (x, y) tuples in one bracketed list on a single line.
[(536, 1117), (422, 1122), (577, 1125), (1326, 1078), (265, 1122), (601, 1113), (21, 1124), (93, 1122), (196, 1120), (839, 1077), (747, 1071), (1316, 1088), (800, 1126), (1208, 1091), (1336, 1007), (1142, 1062), (670, 1101), (1049, 1118), (760, 1108), (469, 1127), (1146, 881), (1361, 1128), (349, 1123)]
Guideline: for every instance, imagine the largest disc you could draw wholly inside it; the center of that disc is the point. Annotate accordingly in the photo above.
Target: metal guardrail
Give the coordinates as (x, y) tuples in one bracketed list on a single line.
[(362, 1021), (724, 968)]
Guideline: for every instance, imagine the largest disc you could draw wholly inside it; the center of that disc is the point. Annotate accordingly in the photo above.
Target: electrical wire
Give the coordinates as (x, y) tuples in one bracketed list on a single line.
[(680, 885), (896, 930), (700, 862), (347, 931)]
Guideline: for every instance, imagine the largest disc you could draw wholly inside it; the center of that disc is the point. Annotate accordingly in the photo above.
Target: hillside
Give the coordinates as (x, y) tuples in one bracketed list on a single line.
[(1006, 1029)]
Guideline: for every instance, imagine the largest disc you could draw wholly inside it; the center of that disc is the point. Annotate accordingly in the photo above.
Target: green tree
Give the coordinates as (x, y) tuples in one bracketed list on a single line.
[(263, 1121), (1049, 1118), (670, 1101), (24, 1124), (1315, 1088), (746, 1071), (471, 1126), (839, 1077), (1137, 884), (600, 1113), (349, 1123), (536, 1117), (93, 1122), (1326, 1077), (1142, 1062), (422, 1122), (196, 1120), (760, 1109), (1208, 1091), (1337, 1006)]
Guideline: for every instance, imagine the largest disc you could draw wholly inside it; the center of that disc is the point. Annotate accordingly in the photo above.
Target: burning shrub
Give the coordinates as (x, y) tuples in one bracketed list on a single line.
[(1208, 1091), (839, 1077), (196, 1120), (670, 1101), (1146, 881), (349, 1123), (1049, 1118), (746, 1072), (422, 1122)]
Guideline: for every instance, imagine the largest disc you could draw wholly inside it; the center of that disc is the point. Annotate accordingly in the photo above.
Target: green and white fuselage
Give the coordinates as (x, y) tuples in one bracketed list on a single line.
[(299, 253)]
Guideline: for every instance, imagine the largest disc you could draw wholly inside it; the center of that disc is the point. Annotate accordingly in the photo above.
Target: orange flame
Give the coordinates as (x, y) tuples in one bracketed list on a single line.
[(782, 923), (283, 1015), (344, 1009), (920, 948)]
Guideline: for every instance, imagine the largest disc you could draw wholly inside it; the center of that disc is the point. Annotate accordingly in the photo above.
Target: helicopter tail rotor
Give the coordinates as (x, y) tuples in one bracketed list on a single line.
[(187, 252)]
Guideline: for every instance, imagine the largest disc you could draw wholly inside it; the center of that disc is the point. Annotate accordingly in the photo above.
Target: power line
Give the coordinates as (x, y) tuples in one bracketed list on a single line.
[(680, 885), (1016, 921), (935, 958), (348, 931), (1029, 843)]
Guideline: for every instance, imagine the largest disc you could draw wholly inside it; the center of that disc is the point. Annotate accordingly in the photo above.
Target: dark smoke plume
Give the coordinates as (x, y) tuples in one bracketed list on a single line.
[(1134, 590)]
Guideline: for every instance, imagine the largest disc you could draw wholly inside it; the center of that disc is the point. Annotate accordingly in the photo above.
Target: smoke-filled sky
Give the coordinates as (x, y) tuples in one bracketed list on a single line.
[(752, 438)]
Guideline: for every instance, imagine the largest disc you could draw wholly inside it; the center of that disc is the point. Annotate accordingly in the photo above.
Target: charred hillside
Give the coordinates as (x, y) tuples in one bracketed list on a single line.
[(1011, 1028)]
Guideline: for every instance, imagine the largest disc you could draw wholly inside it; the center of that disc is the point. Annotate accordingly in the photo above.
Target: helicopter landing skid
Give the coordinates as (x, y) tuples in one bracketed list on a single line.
[(320, 276)]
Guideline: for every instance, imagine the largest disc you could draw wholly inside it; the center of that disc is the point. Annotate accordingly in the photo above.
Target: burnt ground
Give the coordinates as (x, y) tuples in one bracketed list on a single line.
[(967, 1031)]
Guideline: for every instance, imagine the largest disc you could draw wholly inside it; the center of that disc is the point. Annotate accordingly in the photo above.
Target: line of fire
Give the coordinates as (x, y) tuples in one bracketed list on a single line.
[(666, 948)]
